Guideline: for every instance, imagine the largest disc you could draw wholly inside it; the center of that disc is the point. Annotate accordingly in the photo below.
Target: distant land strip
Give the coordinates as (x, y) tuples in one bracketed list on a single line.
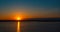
[(35, 20), (30, 20)]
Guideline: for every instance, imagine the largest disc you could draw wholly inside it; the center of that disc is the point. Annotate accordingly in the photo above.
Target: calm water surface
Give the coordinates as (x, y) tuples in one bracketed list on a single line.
[(30, 26)]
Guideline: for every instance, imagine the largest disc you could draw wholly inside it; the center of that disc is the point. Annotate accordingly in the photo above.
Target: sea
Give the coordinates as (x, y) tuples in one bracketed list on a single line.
[(29, 26)]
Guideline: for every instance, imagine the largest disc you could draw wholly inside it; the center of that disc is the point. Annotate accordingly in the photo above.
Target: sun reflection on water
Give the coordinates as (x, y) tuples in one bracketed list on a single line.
[(18, 26)]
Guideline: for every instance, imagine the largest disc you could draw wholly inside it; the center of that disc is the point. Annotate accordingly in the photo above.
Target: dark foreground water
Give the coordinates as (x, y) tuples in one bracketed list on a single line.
[(33, 26)]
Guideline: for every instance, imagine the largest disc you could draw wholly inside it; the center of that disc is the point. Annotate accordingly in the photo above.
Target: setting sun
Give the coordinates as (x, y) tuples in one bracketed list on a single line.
[(18, 18)]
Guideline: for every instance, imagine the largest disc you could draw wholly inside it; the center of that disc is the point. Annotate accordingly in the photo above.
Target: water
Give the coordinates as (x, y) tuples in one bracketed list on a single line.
[(32, 26), (8, 26)]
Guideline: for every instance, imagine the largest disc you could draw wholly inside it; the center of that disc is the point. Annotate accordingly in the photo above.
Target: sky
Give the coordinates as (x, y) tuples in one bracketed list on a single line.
[(10, 9)]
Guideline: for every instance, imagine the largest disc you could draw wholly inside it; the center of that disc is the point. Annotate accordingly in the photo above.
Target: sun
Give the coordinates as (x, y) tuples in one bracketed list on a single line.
[(18, 18)]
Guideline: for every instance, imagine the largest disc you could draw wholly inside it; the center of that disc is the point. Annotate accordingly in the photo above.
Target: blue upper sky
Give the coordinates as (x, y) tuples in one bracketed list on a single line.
[(31, 3)]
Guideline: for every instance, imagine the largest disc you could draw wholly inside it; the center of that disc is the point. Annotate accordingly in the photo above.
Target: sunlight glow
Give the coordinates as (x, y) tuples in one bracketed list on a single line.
[(18, 23), (18, 18), (18, 26)]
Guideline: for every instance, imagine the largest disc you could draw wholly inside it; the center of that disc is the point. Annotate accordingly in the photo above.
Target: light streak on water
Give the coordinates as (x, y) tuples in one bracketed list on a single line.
[(18, 26)]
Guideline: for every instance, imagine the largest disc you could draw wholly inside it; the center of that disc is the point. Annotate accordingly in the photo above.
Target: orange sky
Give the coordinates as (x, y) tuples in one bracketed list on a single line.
[(13, 13)]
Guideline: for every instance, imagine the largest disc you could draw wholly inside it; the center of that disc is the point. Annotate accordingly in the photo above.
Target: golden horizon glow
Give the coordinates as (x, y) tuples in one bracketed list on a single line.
[(18, 26), (18, 18)]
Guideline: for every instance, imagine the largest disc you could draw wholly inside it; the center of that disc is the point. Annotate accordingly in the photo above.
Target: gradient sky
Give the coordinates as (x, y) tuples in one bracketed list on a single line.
[(29, 8)]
